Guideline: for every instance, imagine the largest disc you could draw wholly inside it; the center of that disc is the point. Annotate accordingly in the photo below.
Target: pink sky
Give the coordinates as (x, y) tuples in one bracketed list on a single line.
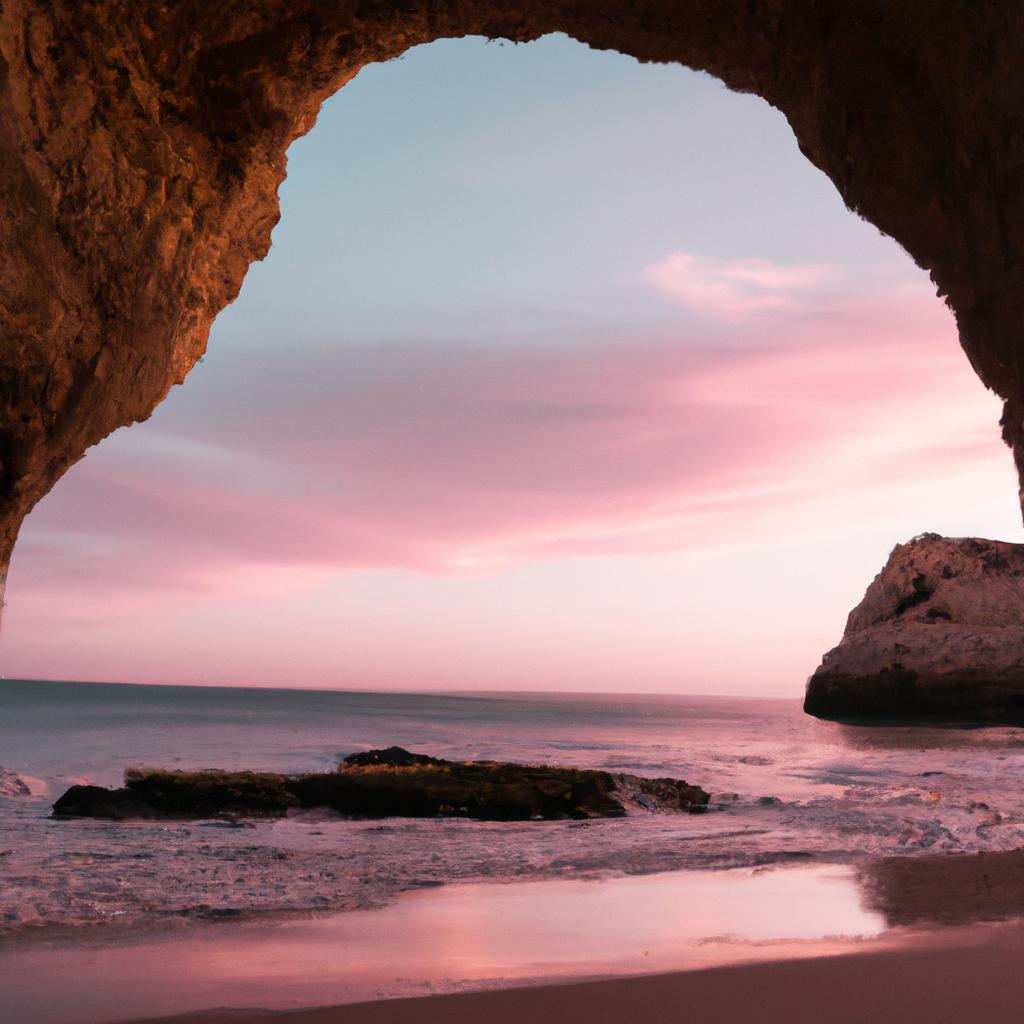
[(686, 499), (831, 422)]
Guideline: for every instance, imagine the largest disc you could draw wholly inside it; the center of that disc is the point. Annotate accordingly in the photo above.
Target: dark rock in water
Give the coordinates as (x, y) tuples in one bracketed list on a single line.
[(391, 757), (658, 794), (170, 794), (208, 794), (483, 790), (11, 785), (938, 637), (390, 783), (97, 802)]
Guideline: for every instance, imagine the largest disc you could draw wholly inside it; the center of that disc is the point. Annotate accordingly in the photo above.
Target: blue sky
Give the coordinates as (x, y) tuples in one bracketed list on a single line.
[(563, 371)]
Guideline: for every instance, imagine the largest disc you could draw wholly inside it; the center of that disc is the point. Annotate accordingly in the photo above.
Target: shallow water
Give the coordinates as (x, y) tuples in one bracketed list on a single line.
[(449, 939)]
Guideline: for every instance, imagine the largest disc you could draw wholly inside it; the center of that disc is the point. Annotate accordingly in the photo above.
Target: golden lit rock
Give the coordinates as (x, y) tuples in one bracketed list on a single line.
[(144, 144)]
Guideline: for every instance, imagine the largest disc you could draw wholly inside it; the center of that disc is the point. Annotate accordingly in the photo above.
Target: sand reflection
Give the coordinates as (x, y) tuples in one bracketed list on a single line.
[(452, 938)]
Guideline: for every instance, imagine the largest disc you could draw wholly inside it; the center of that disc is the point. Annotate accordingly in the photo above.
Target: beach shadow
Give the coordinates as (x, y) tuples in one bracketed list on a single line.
[(953, 889), (933, 737)]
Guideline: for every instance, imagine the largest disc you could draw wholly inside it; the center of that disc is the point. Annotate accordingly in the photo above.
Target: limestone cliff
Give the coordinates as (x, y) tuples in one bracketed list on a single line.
[(11, 784), (142, 146), (938, 636)]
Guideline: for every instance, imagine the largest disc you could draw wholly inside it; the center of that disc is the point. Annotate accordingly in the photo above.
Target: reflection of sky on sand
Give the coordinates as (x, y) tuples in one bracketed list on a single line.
[(456, 937)]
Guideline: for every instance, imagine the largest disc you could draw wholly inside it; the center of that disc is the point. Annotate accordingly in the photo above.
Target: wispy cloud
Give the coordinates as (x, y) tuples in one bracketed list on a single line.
[(470, 458), (735, 290)]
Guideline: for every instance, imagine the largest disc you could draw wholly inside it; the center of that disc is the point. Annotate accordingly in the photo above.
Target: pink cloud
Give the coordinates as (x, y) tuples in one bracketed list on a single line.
[(466, 458), (734, 290)]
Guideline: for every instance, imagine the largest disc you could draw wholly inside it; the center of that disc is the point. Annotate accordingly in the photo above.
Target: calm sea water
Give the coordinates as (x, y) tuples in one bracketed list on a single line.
[(59, 731), (785, 788)]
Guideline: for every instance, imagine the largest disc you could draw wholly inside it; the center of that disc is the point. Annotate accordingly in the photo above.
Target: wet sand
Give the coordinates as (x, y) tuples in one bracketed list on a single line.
[(958, 975), (894, 940), (456, 938), (955, 963)]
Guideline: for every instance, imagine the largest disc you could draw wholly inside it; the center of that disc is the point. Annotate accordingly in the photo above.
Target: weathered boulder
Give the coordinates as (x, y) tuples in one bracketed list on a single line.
[(11, 785), (939, 636), (386, 783), (393, 757), (152, 793), (84, 801)]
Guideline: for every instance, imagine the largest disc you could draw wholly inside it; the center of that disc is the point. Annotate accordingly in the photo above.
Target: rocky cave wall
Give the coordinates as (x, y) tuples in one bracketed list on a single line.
[(142, 144)]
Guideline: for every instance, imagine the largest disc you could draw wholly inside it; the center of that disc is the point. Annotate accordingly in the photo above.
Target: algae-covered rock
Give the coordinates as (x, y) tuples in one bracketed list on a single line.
[(97, 802), (207, 794), (387, 783), (395, 782), (393, 757), (154, 793)]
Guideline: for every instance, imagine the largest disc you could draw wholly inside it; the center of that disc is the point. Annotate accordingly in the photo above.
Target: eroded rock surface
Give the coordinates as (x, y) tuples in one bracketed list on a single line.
[(938, 636), (386, 783), (11, 784), (143, 145)]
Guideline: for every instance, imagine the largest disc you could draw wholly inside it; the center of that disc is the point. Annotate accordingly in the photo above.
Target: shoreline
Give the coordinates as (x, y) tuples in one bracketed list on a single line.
[(942, 977), (505, 943), (915, 892), (875, 839), (474, 937)]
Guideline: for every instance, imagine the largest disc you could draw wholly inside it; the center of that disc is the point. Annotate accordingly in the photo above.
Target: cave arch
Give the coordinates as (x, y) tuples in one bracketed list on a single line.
[(143, 146)]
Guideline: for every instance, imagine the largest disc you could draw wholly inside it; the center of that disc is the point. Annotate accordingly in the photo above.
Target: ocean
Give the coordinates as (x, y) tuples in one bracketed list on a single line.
[(785, 788), (798, 809)]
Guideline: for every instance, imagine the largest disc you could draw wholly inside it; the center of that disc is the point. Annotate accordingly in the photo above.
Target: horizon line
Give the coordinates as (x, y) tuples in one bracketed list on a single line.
[(452, 693)]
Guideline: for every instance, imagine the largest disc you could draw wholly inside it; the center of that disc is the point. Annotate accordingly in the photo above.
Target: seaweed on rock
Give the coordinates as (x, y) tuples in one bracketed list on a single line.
[(386, 783)]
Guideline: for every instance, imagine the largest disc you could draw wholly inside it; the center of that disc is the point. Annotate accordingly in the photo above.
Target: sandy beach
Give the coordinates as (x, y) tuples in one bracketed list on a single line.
[(962, 975)]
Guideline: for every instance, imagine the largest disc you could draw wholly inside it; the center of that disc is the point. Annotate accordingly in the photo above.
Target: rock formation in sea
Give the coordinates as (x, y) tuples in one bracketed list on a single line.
[(144, 143), (11, 785), (386, 783), (939, 636)]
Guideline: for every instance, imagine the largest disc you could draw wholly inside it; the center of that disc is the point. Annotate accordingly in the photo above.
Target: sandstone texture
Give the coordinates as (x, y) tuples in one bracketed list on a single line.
[(386, 783), (143, 145), (939, 636), (11, 785)]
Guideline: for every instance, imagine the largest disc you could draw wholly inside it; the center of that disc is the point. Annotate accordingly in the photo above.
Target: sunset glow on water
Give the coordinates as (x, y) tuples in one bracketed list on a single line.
[(454, 939)]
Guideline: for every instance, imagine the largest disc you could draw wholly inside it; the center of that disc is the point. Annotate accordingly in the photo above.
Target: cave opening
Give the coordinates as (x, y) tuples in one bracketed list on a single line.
[(561, 367)]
